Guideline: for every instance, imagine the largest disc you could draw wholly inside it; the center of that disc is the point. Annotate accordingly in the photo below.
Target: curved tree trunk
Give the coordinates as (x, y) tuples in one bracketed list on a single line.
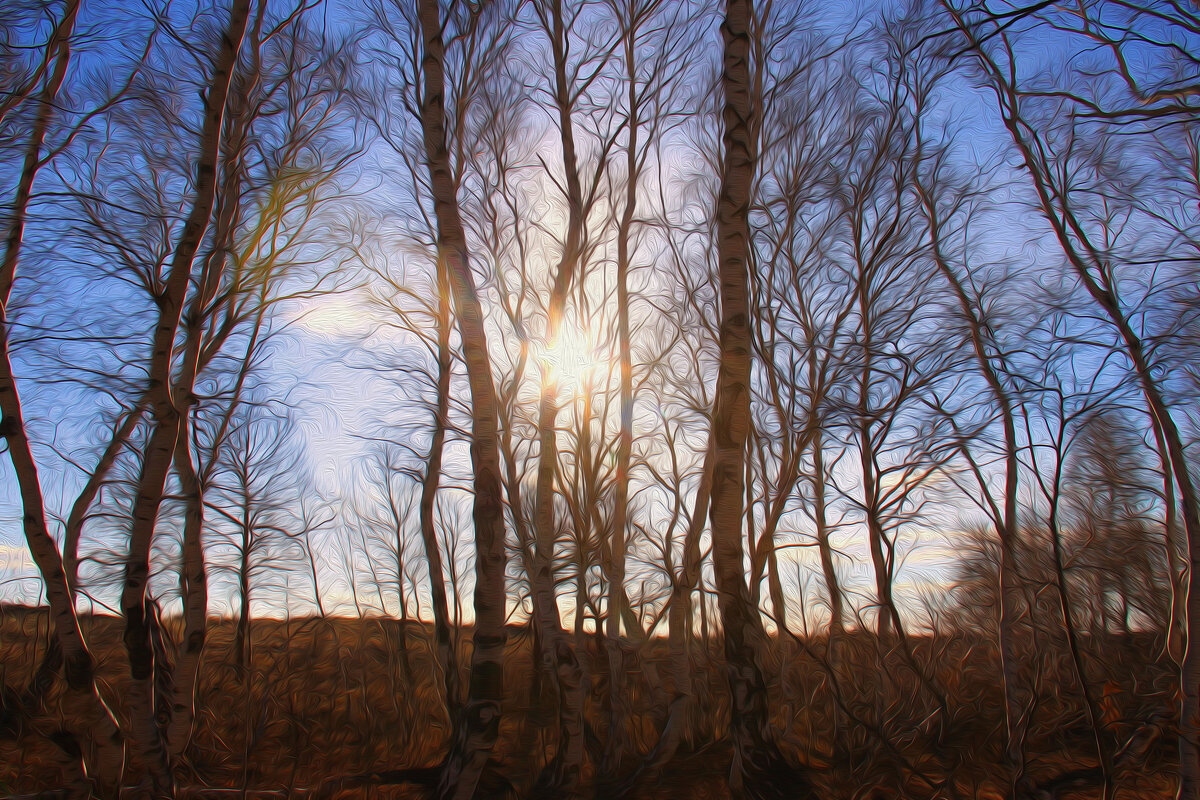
[(563, 772), (429, 487), (1006, 521), (105, 753), (478, 724), (167, 408), (1092, 269), (78, 515)]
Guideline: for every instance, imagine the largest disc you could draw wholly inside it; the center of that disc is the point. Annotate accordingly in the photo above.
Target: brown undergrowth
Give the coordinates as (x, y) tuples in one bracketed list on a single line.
[(336, 698)]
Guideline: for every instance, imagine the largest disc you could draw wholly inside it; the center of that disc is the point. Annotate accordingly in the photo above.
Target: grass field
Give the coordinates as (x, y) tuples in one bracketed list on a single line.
[(331, 699)]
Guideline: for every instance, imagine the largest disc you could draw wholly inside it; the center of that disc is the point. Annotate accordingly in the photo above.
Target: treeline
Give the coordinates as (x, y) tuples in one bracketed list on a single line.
[(678, 338)]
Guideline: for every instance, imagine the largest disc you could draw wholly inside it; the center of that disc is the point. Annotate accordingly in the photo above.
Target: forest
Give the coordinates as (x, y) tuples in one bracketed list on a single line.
[(599, 398)]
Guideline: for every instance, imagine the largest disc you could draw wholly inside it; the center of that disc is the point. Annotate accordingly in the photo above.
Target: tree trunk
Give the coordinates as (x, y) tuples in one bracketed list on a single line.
[(105, 755), (167, 409), (679, 613), (757, 769), (194, 588), (1091, 269), (886, 619), (563, 773), (837, 614), (83, 502), (429, 487), (241, 637), (618, 701), (478, 724)]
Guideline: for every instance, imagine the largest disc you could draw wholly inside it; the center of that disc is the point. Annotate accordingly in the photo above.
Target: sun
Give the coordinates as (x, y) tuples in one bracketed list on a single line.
[(569, 362)]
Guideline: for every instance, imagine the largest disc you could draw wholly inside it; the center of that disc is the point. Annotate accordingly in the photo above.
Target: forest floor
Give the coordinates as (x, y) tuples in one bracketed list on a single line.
[(343, 698)]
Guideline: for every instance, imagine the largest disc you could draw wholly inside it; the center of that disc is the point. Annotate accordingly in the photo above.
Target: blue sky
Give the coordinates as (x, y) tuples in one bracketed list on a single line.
[(323, 361)]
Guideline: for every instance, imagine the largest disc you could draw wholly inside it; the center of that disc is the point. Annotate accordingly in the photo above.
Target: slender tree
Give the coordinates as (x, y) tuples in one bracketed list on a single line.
[(478, 725), (102, 738), (758, 769), (1051, 174)]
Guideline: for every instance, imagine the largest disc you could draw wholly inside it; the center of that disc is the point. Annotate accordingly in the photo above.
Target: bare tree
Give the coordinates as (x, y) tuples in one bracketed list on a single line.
[(1056, 167), (477, 728), (758, 768), (102, 737), (257, 509), (989, 360), (168, 413), (654, 44), (737, 346)]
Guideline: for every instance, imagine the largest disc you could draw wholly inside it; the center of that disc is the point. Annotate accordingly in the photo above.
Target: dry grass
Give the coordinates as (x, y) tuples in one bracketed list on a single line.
[(329, 698)]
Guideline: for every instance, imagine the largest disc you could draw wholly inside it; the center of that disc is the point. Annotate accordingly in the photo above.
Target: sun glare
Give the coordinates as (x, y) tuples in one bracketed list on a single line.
[(569, 362)]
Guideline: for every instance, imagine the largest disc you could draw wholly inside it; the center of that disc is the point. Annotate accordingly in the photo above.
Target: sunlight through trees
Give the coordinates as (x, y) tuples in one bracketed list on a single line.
[(599, 398)]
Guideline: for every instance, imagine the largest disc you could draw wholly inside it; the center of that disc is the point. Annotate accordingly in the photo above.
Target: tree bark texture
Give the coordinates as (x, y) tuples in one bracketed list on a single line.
[(478, 724)]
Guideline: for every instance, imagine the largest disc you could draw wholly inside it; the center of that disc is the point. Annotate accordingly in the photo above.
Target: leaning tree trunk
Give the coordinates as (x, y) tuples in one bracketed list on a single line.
[(1091, 267), (105, 753), (167, 410), (1006, 521), (77, 518), (477, 726)]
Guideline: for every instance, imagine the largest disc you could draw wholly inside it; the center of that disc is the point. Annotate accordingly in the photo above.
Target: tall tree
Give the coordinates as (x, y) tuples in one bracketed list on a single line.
[(168, 395), (920, 77), (559, 22), (102, 738), (758, 769), (1054, 168), (478, 724), (653, 46)]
